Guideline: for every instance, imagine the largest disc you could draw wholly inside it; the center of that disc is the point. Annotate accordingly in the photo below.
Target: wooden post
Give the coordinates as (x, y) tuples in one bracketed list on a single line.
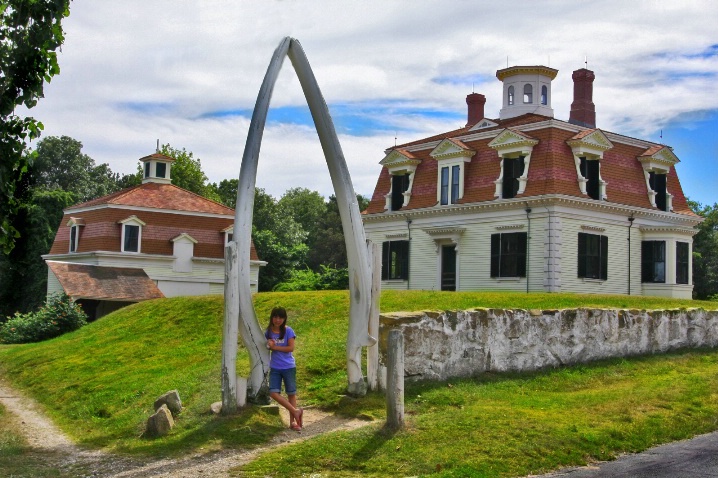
[(372, 359), (395, 381), (230, 331)]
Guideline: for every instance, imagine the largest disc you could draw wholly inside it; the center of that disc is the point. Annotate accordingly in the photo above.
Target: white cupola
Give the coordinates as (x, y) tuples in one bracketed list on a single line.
[(527, 89), (156, 169)]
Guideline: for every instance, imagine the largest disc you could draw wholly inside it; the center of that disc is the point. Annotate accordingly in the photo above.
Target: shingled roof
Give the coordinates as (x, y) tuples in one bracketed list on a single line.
[(159, 196), (85, 281)]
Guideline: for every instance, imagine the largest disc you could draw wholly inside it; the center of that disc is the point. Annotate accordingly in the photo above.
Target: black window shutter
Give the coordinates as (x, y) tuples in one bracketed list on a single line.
[(604, 257), (495, 254), (521, 254), (404, 253), (581, 254), (385, 260), (647, 261)]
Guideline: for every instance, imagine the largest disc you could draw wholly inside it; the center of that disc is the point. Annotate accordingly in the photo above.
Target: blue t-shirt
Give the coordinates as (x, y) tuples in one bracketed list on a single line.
[(281, 360)]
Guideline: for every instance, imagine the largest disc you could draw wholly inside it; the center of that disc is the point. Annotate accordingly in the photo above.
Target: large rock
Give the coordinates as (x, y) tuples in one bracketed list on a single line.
[(172, 400), (160, 423)]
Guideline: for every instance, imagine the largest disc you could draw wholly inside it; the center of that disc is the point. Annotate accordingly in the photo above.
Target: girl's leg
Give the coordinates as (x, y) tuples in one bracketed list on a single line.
[(294, 412), (293, 400)]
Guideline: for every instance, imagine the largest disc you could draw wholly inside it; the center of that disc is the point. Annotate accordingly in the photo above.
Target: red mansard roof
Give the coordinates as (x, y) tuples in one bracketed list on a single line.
[(552, 168)]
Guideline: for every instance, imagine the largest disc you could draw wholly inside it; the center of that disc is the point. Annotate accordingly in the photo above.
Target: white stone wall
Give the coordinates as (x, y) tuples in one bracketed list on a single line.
[(440, 346)]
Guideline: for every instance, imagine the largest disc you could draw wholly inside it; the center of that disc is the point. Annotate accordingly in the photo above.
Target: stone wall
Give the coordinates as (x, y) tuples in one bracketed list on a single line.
[(443, 345)]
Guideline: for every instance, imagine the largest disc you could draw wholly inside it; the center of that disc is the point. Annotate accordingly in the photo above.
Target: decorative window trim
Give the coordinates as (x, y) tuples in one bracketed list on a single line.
[(74, 224), (652, 193), (449, 153), (443, 235), (658, 159), (593, 228), (590, 144), (399, 162), (509, 227), (228, 234), (512, 144), (131, 221), (396, 236)]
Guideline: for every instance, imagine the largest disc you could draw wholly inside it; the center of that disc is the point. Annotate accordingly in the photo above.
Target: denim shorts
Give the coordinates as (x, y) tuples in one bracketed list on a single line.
[(289, 375)]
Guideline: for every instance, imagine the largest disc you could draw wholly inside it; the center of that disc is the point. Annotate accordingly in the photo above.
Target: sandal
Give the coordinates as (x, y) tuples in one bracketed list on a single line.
[(295, 427)]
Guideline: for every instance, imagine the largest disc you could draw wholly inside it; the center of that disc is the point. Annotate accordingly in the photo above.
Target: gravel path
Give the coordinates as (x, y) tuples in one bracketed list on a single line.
[(59, 452)]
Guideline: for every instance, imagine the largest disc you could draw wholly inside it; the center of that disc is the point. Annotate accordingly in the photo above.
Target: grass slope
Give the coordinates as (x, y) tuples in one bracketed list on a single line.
[(99, 384)]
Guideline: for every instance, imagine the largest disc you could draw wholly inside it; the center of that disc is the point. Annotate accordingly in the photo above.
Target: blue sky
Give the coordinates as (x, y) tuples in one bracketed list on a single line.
[(187, 73)]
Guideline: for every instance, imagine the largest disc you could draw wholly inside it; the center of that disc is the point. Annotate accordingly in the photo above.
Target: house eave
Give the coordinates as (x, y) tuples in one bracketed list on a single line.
[(533, 202)]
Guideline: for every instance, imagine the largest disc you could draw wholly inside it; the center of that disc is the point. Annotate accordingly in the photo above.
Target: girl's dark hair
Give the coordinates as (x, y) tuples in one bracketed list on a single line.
[(277, 312)]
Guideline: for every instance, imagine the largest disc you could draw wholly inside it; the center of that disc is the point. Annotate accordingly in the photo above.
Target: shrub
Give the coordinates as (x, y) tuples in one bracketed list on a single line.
[(59, 315), (306, 279)]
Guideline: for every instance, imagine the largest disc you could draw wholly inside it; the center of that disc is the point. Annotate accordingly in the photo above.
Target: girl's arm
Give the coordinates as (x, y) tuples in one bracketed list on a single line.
[(283, 348)]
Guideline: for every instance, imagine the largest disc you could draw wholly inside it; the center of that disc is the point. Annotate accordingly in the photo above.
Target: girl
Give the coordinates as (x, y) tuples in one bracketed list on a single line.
[(280, 340)]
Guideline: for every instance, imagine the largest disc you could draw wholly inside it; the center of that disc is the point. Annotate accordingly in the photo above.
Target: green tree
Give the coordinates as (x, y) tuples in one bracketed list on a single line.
[(705, 252), (330, 250), (187, 172), (23, 272), (60, 164), (227, 191), (278, 238), (308, 209), (30, 34)]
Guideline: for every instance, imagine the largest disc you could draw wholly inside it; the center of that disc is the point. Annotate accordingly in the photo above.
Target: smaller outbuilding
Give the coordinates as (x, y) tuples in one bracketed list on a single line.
[(148, 241)]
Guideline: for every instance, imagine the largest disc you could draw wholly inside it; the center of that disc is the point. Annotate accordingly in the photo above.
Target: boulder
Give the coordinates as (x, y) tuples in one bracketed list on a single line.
[(160, 423), (172, 400), (216, 408)]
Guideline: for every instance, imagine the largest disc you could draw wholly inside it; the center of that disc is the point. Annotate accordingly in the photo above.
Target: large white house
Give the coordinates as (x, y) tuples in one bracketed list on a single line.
[(528, 202), (148, 241)]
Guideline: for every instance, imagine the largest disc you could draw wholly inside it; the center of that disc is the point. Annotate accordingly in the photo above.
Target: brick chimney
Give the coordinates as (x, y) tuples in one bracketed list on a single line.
[(583, 111), (476, 104)]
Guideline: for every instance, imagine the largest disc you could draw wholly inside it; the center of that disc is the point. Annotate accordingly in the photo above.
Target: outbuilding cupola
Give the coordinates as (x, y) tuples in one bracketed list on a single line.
[(156, 169)]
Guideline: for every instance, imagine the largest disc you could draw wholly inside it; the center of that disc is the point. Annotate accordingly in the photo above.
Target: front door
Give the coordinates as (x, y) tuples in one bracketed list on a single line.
[(448, 267)]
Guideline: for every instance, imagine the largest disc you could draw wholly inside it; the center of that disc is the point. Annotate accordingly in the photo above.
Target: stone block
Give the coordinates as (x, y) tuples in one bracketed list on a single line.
[(172, 400), (160, 423)]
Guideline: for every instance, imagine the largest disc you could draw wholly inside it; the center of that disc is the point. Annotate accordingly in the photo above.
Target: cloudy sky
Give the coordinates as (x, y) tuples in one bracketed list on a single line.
[(188, 73)]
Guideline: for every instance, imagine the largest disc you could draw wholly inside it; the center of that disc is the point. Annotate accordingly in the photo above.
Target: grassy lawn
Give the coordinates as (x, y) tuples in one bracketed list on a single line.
[(99, 384)]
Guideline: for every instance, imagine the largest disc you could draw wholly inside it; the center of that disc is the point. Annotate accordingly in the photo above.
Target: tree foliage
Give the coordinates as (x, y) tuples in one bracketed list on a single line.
[(186, 172), (60, 164), (30, 34), (705, 253)]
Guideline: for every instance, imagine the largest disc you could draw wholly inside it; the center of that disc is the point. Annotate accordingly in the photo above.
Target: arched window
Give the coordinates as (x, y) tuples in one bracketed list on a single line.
[(544, 95), (528, 94), (511, 95)]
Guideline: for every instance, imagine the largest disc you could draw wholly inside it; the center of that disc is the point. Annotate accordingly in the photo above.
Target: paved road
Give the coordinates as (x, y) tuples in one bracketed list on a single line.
[(695, 458)]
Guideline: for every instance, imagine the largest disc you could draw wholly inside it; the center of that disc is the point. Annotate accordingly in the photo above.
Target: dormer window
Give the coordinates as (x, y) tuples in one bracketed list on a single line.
[(511, 95), (544, 95), (657, 161), (399, 186), (588, 148), (514, 149), (657, 182), (528, 94), (513, 169), (228, 234), (131, 237), (451, 156), (401, 165), (74, 224)]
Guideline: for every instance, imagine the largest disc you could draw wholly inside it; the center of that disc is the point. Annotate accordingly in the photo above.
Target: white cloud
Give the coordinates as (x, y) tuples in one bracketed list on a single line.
[(173, 61)]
